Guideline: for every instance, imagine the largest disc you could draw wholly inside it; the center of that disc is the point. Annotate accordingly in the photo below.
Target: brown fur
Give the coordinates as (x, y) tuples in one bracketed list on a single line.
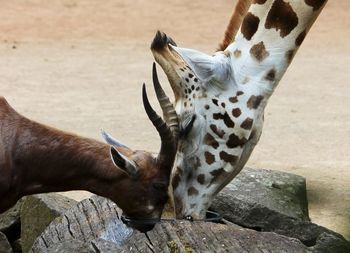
[(282, 17), (258, 51), (236, 20), (38, 159)]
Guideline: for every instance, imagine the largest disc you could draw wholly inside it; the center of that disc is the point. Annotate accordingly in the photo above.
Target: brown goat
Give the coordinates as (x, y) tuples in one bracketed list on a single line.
[(38, 159)]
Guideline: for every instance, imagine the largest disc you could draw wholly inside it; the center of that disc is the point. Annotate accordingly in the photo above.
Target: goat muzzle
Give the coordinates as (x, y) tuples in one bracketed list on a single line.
[(146, 224)]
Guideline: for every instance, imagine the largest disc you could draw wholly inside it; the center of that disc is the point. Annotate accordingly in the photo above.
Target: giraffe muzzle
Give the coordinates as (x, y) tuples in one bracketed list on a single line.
[(161, 40)]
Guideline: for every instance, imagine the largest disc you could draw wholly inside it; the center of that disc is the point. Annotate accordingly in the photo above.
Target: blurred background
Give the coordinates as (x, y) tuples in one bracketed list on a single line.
[(78, 65)]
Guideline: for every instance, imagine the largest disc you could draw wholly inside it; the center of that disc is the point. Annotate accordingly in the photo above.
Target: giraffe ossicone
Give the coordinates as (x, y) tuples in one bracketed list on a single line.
[(224, 95)]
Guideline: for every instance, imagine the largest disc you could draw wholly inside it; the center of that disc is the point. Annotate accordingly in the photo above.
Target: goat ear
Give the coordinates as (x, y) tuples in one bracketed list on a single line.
[(206, 67), (111, 140), (123, 163)]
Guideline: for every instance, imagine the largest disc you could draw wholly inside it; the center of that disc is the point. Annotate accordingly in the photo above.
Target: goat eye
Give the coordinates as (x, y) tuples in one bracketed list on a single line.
[(160, 186)]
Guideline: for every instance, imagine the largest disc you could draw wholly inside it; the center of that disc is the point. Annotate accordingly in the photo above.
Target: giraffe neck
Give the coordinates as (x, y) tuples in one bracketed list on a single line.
[(270, 34)]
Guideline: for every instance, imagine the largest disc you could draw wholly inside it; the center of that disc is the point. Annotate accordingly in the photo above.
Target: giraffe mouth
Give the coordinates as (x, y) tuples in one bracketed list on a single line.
[(163, 50)]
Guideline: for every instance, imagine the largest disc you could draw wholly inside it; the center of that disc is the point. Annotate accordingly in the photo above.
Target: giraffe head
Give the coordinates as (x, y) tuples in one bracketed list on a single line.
[(190, 71), (198, 80)]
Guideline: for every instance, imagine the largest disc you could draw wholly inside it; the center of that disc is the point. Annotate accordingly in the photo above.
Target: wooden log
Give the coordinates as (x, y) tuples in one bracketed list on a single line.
[(96, 223)]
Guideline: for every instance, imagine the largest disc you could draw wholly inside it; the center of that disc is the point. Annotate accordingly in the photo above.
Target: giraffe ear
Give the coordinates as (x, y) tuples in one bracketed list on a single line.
[(206, 67)]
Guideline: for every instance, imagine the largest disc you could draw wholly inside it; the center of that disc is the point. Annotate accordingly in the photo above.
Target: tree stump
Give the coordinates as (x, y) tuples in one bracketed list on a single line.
[(94, 225)]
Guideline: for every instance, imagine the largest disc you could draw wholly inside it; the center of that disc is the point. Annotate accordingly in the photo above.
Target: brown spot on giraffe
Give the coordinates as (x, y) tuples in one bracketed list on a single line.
[(215, 101), (254, 101), (217, 131), (192, 191), (250, 25), (316, 4), (218, 175), (300, 38), (210, 141), (176, 178), (197, 163), (239, 93), (282, 17), (233, 99), (194, 163), (236, 112), (209, 158), (228, 158), (290, 55), (226, 118), (234, 141), (271, 75), (189, 176), (247, 124), (259, 1), (258, 51), (237, 53), (201, 179)]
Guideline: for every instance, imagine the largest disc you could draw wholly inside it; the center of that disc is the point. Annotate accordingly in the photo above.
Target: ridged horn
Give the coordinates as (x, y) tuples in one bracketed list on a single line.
[(169, 113), (168, 147)]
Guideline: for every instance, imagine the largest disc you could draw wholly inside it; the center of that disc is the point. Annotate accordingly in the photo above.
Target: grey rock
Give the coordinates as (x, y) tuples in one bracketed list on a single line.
[(37, 212), (5, 246), (10, 222), (272, 201), (97, 220), (257, 198), (331, 243)]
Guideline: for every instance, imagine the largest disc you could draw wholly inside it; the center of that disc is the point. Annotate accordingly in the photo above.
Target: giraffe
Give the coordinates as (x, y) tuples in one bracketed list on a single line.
[(223, 96)]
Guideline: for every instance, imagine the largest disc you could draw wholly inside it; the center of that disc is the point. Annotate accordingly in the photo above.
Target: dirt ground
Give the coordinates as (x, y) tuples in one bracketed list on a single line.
[(79, 65)]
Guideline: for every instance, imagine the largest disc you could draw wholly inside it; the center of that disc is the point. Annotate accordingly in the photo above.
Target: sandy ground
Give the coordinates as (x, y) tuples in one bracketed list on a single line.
[(79, 65)]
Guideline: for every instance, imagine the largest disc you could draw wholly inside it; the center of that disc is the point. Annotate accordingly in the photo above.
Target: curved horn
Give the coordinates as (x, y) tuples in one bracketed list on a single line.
[(167, 151), (169, 112)]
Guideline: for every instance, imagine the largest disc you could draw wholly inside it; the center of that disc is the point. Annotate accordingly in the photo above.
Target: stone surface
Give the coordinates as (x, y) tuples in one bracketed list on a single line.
[(97, 218), (317, 237), (257, 197), (5, 246), (273, 201), (37, 212), (10, 222), (331, 243)]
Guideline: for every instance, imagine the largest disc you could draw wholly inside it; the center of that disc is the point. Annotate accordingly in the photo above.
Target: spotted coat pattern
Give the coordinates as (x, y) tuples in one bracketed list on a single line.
[(228, 93)]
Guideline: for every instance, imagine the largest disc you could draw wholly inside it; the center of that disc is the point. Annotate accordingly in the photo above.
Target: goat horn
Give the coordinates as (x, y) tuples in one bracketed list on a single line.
[(167, 152), (169, 112)]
